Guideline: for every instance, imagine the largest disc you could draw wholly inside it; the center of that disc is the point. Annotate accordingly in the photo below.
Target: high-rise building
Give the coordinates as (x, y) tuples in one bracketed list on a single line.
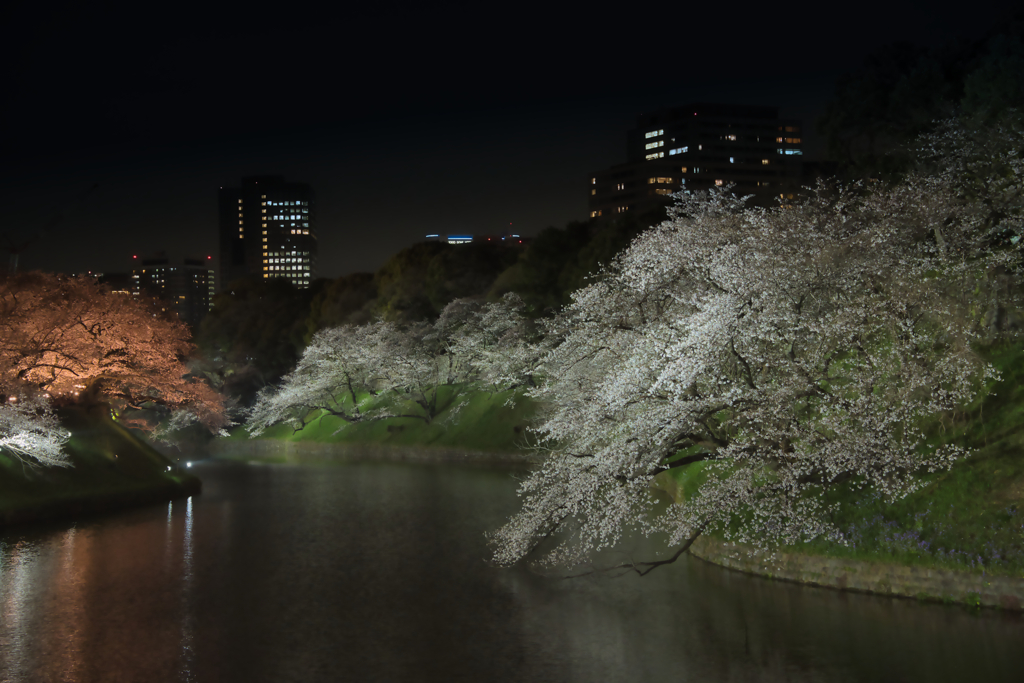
[(698, 146), (187, 288), (268, 229)]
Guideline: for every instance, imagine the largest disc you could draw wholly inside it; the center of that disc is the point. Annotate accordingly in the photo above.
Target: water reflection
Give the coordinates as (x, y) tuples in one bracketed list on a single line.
[(375, 572)]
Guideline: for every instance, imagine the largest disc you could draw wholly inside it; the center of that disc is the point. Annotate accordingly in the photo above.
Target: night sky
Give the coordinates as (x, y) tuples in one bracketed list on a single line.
[(406, 121)]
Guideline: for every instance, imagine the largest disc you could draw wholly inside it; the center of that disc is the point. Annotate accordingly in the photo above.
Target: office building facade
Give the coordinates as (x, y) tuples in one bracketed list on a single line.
[(187, 288), (696, 147), (268, 230)]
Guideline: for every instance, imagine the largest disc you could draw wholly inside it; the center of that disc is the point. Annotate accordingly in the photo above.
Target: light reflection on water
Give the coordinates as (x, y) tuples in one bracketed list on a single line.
[(375, 571)]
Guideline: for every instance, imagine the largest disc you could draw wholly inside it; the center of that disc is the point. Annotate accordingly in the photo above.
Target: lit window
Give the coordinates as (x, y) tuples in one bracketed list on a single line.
[(650, 181), (790, 152), (593, 192), (654, 133), (662, 190), (719, 182), (684, 169), (731, 137), (652, 145), (593, 181), (732, 160), (778, 139), (793, 141), (656, 155), (765, 162)]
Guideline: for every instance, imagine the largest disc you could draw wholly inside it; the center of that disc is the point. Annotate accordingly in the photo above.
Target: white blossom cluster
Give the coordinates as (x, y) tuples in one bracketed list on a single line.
[(31, 432), (379, 369), (775, 354)]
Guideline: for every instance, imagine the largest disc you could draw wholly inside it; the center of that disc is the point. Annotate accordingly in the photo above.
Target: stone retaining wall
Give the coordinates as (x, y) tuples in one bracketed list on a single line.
[(869, 577)]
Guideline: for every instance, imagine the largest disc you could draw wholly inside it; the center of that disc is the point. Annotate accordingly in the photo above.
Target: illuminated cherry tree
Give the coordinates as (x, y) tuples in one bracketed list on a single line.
[(382, 369), (775, 355), (502, 344), (339, 372), (71, 340), (30, 432)]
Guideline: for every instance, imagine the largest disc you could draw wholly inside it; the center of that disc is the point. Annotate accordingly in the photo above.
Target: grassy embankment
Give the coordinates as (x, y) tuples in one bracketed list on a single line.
[(465, 421), (969, 518), (111, 468)]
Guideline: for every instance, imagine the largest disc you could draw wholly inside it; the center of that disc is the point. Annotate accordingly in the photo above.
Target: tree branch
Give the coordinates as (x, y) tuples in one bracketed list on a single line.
[(644, 568)]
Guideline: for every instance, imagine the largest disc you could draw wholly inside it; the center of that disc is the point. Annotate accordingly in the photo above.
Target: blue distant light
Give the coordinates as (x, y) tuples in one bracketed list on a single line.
[(433, 235)]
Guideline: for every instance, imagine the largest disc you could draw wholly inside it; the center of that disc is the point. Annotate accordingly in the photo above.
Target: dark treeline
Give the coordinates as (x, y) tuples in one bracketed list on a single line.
[(878, 112), (258, 328)]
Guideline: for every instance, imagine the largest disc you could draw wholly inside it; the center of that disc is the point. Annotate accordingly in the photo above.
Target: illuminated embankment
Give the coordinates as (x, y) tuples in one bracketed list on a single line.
[(110, 468)]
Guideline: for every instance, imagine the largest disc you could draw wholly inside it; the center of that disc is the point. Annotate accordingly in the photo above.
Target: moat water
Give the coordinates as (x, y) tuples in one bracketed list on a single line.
[(370, 571)]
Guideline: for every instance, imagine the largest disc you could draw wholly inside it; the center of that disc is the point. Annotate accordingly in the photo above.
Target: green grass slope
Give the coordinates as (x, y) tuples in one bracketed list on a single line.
[(469, 421), (110, 468)]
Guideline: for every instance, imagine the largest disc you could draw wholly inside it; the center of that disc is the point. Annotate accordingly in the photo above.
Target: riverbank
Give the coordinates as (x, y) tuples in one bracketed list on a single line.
[(110, 469), (477, 422), (930, 584)]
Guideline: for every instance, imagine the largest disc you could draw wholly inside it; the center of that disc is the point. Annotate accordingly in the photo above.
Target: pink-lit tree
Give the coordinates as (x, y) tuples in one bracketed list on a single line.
[(71, 340)]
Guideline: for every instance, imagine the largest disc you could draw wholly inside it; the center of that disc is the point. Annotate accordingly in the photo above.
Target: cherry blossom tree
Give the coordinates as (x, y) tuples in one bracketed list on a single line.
[(71, 340), (340, 372), (503, 344), (776, 355), (383, 369), (31, 432)]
